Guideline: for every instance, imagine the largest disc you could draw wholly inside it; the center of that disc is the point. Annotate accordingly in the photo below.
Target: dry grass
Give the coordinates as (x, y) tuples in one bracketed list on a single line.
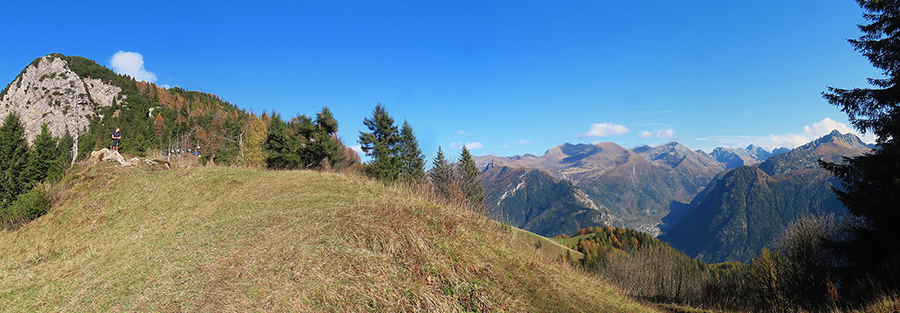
[(888, 304), (225, 239)]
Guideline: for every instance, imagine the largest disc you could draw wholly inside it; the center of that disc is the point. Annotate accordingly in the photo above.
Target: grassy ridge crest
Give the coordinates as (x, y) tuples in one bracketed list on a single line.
[(229, 239)]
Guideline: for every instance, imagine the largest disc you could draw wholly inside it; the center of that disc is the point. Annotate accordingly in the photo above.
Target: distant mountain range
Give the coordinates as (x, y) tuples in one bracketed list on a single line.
[(618, 187), (735, 199), (753, 154), (743, 209)]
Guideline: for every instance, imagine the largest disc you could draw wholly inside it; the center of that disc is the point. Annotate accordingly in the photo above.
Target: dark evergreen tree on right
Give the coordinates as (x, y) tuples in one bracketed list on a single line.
[(871, 182)]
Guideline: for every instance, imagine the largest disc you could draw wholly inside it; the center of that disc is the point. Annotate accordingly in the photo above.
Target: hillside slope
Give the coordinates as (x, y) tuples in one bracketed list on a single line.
[(226, 239)]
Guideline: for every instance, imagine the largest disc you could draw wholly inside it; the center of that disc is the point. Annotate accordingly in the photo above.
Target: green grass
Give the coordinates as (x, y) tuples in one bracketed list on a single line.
[(551, 246), (227, 239)]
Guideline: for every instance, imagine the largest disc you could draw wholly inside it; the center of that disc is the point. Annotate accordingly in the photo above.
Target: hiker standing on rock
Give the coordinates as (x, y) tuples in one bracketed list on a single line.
[(115, 137)]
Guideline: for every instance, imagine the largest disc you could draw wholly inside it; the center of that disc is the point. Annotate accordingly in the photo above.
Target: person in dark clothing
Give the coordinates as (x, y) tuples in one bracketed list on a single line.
[(115, 137)]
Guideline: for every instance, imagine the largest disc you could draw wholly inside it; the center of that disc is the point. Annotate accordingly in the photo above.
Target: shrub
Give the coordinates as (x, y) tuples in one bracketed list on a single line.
[(28, 206)]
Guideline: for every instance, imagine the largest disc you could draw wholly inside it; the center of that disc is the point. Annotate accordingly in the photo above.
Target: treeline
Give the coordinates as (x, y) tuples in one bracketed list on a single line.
[(24, 167)]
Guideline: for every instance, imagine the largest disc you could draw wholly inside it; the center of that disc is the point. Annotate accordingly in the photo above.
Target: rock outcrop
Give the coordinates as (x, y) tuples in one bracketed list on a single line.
[(108, 155), (48, 91)]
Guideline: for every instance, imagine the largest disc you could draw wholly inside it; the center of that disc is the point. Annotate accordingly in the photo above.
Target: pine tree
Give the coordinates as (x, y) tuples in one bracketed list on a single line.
[(470, 181), (412, 162), (280, 152), (324, 148), (381, 144), (870, 181), (13, 159), (442, 176), (42, 159)]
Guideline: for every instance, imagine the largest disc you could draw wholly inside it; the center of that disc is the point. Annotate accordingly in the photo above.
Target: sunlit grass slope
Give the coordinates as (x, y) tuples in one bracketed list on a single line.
[(226, 239)]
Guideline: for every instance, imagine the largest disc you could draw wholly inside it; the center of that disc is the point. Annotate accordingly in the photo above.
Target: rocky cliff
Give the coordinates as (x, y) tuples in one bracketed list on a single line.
[(49, 91)]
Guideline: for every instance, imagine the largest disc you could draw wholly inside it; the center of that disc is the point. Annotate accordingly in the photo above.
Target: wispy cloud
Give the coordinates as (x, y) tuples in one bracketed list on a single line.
[(653, 112), (646, 134), (520, 142), (604, 130), (131, 64)]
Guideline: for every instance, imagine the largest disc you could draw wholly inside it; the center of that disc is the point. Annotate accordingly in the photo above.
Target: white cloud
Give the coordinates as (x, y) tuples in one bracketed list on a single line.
[(826, 125), (358, 149), (460, 133), (131, 64), (604, 130), (468, 145), (665, 133), (791, 140), (646, 134)]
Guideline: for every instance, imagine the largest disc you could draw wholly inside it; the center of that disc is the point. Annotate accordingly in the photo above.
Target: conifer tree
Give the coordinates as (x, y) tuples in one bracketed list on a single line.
[(381, 144), (279, 149), (442, 176), (13, 159), (870, 181), (324, 148), (42, 159), (470, 181), (412, 162)]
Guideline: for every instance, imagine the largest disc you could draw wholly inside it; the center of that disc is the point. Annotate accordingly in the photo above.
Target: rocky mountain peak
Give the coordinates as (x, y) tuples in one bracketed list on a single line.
[(49, 91), (850, 140)]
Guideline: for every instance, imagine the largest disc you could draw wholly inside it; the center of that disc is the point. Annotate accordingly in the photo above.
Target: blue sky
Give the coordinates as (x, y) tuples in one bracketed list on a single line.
[(504, 77)]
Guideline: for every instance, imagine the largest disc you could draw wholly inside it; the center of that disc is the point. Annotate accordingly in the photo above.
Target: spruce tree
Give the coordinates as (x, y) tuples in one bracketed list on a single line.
[(870, 181), (324, 147), (381, 144), (470, 181), (412, 162), (280, 152), (442, 176), (42, 159), (13, 159)]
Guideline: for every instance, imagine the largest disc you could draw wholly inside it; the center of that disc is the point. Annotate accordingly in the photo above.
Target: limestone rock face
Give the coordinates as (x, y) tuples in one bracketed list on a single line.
[(48, 91)]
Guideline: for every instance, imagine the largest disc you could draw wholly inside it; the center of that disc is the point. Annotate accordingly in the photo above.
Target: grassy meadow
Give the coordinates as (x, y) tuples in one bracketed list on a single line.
[(218, 239)]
